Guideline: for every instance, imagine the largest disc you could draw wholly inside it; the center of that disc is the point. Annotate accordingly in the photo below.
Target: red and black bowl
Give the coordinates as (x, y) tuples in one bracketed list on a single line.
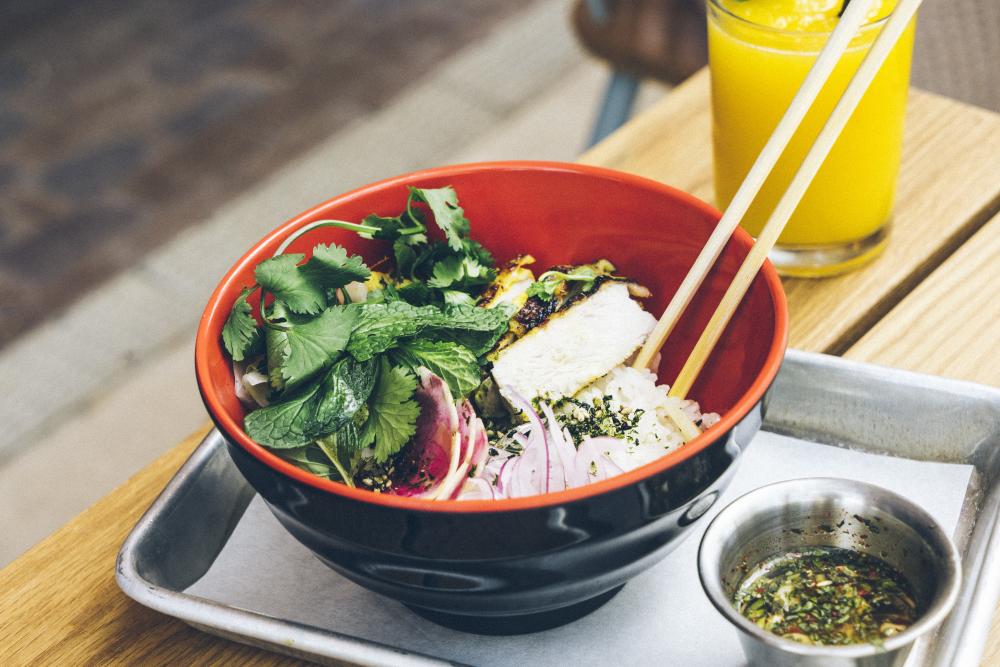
[(526, 564)]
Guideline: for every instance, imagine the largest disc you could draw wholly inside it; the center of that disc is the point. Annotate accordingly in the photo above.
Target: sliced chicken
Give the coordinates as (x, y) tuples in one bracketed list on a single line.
[(574, 346)]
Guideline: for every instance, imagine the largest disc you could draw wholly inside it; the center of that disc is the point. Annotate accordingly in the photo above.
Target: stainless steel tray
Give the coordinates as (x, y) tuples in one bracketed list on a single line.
[(816, 398)]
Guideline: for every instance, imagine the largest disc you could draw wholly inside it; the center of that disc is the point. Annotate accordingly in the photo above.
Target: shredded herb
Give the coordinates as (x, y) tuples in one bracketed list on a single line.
[(828, 596), (601, 417)]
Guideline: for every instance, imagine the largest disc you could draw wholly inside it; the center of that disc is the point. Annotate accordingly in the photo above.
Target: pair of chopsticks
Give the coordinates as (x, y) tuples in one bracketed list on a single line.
[(849, 24)]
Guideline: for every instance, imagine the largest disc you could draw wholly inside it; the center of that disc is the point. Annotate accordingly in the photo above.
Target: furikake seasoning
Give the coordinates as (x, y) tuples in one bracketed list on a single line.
[(826, 595)]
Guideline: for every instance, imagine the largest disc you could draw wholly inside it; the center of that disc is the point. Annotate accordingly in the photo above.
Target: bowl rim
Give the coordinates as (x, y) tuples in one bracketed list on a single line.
[(215, 309), (756, 500)]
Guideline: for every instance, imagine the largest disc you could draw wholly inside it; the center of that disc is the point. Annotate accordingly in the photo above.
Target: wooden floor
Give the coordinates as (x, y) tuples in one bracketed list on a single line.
[(122, 123)]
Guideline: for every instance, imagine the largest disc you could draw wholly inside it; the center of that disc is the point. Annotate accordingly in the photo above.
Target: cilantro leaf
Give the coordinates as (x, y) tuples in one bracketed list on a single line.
[(282, 277), (310, 345), (240, 334), (330, 267), (550, 282), (393, 410), (459, 272), (448, 215), (390, 229), (282, 425), (344, 392), (406, 257), (454, 363)]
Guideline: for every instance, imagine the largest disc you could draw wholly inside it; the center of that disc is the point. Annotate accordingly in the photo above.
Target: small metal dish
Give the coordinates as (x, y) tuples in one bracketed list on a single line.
[(829, 512)]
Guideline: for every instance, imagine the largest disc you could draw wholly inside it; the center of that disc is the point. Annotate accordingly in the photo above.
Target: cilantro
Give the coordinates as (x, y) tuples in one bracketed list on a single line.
[(448, 215), (460, 272), (393, 410), (453, 363), (301, 348), (390, 229), (550, 282), (331, 268), (240, 334), (282, 277)]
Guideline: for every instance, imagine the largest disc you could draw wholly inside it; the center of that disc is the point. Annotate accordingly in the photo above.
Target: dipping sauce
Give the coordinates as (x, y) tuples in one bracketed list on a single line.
[(827, 596)]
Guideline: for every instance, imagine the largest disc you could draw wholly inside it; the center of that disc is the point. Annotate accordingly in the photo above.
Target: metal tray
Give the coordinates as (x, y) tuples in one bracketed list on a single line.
[(816, 398)]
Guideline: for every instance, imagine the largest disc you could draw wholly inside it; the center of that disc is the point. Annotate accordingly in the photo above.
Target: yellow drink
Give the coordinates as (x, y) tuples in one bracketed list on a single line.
[(759, 54)]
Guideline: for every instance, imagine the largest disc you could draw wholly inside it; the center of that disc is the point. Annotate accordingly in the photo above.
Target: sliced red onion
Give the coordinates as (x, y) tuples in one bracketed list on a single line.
[(477, 488), (593, 461), (252, 387), (531, 470)]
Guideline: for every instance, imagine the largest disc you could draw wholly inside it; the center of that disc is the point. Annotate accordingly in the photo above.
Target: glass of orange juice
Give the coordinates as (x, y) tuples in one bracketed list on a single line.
[(759, 54)]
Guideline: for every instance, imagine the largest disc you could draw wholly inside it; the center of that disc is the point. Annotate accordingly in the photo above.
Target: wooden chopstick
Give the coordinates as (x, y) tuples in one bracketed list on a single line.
[(836, 45), (856, 89)]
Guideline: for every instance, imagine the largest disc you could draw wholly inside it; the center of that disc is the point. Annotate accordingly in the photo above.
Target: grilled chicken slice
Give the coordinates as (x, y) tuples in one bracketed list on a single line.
[(574, 346)]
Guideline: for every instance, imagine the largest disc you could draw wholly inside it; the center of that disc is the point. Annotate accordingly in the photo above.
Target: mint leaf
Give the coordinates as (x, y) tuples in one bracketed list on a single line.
[(314, 344), (448, 215), (343, 394), (393, 410), (240, 334), (330, 267), (283, 425), (453, 363), (340, 448), (380, 325), (282, 277), (476, 328)]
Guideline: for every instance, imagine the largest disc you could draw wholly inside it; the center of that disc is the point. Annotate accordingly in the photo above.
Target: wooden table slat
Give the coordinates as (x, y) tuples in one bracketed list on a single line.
[(950, 324)]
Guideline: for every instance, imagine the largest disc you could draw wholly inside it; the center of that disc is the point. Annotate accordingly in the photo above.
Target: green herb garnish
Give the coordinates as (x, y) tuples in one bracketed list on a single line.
[(342, 374), (828, 596)]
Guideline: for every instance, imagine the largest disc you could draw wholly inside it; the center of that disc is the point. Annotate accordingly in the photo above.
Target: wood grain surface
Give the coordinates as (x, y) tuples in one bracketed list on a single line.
[(950, 324), (949, 185), (59, 604)]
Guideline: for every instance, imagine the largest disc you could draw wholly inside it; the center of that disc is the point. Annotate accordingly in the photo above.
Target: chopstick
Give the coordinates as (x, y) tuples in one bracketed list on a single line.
[(884, 43), (829, 56)]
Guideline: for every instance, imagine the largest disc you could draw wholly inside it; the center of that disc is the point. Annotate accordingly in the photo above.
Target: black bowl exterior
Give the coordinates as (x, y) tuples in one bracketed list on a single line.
[(504, 563)]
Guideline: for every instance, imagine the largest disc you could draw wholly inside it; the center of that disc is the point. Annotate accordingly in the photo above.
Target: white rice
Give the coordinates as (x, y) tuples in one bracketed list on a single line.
[(655, 434)]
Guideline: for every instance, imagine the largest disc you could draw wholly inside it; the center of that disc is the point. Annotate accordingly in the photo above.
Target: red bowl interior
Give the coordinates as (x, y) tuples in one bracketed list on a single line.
[(560, 213)]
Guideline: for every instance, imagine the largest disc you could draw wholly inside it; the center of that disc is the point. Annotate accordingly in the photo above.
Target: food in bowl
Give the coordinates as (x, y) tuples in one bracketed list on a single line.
[(828, 596), (434, 374), (525, 563)]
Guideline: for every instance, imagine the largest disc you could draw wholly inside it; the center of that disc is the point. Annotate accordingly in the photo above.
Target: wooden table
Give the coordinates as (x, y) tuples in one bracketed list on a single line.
[(928, 305)]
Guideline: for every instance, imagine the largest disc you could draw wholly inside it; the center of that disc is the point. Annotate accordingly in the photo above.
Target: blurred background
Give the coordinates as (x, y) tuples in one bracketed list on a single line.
[(145, 144)]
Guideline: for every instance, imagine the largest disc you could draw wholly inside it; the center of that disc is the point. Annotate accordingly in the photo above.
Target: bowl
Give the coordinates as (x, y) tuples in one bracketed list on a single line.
[(829, 512), (524, 564)]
